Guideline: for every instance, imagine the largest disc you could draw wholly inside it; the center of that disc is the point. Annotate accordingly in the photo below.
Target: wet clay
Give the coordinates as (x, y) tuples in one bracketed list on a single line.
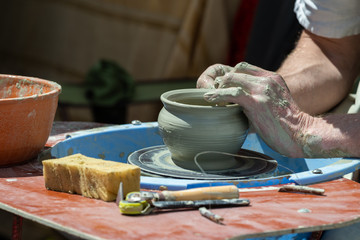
[(189, 125)]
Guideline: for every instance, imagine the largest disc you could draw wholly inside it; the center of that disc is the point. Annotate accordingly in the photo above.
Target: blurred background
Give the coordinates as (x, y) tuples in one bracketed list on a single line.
[(114, 58)]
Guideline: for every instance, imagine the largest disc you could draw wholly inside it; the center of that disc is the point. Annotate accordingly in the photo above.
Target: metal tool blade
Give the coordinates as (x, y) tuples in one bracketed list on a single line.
[(201, 203), (120, 194)]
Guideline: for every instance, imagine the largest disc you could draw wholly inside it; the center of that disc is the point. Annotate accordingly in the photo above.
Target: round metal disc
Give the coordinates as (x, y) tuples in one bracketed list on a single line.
[(157, 160)]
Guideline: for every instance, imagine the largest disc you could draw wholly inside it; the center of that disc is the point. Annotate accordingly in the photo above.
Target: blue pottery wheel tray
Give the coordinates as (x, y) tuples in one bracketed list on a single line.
[(116, 143)]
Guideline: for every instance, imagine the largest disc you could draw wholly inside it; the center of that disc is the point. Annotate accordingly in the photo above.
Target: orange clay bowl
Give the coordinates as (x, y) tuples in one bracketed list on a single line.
[(27, 111)]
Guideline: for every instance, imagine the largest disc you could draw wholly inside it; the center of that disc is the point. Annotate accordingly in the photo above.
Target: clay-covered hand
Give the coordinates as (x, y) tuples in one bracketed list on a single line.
[(208, 78), (267, 103)]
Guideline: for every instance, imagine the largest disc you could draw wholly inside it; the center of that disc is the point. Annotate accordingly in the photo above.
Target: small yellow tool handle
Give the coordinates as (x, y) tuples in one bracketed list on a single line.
[(205, 193)]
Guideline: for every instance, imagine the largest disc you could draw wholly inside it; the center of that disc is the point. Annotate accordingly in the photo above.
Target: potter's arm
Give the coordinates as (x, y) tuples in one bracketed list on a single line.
[(321, 71), (276, 117), (332, 136)]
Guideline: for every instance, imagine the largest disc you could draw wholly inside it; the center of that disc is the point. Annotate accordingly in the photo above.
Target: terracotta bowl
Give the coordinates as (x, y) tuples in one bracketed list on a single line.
[(27, 111)]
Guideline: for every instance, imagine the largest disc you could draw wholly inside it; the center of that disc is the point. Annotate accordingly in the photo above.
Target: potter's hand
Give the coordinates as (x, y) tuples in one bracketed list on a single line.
[(207, 78), (267, 103)]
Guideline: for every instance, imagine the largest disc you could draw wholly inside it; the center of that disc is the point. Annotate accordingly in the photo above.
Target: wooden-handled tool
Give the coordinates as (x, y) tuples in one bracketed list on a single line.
[(205, 193), (302, 189)]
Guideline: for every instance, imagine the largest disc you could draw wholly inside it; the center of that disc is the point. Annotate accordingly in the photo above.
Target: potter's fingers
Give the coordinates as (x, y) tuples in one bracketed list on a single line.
[(242, 80), (233, 94), (247, 68), (260, 74), (206, 79)]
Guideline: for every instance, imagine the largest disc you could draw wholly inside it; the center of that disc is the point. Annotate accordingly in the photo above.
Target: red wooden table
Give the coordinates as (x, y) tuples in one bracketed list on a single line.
[(270, 213)]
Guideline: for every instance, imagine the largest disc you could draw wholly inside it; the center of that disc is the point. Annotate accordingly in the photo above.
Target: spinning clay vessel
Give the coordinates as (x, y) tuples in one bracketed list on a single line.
[(189, 125)]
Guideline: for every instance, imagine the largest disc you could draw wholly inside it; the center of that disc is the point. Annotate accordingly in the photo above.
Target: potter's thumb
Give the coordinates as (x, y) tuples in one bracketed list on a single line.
[(223, 95)]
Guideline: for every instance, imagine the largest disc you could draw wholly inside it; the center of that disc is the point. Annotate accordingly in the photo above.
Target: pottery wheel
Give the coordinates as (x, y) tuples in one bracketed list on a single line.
[(157, 160)]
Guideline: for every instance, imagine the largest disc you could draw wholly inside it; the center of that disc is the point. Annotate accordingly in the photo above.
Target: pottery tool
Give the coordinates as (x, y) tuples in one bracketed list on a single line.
[(144, 202), (235, 202), (210, 215), (205, 193), (143, 207), (301, 189), (286, 188)]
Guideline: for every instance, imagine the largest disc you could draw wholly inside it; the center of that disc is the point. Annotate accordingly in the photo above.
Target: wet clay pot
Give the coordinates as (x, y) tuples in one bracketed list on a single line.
[(27, 110), (189, 125)]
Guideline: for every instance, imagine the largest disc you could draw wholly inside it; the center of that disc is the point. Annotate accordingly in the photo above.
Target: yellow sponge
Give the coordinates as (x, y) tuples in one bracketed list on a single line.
[(90, 177)]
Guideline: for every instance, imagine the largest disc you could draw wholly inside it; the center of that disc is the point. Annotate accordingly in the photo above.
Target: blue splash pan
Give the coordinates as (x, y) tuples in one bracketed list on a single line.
[(116, 143)]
